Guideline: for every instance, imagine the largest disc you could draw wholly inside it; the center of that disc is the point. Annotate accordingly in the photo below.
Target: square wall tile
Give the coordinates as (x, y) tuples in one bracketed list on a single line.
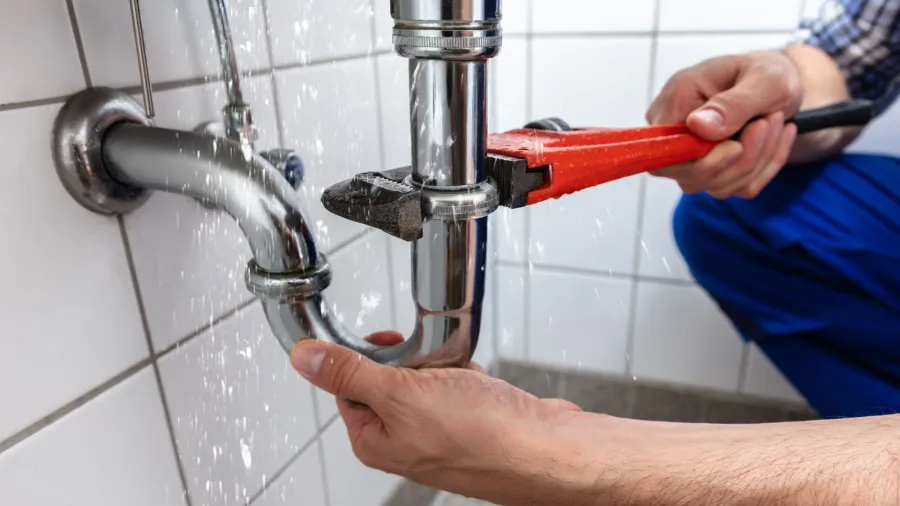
[(179, 38), (393, 86), (676, 52), (384, 25), (509, 234), (765, 380), (360, 296), (328, 115), (508, 86), (238, 408), (350, 482), (311, 30), (716, 15), (579, 322), (60, 338), (114, 450), (190, 260), (301, 484), (509, 301), (594, 229), (516, 17), (658, 255), (611, 91), (37, 52), (597, 16), (681, 336)]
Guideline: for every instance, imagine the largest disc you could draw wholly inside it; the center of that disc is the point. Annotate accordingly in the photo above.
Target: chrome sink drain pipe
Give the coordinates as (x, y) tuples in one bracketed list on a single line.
[(109, 157), (448, 44)]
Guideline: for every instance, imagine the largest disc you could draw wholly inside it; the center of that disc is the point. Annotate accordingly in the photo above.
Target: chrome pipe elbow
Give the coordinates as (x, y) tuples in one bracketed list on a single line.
[(109, 158)]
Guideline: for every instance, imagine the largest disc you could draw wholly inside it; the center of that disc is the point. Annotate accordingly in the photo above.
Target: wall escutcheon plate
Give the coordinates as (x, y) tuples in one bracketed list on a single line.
[(78, 134)]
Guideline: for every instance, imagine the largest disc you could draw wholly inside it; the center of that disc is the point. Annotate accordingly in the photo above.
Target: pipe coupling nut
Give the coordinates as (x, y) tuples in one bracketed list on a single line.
[(447, 42), (459, 202), (287, 286)]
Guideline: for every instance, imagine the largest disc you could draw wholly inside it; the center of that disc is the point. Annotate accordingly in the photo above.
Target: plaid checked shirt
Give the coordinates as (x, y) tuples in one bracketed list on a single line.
[(863, 37)]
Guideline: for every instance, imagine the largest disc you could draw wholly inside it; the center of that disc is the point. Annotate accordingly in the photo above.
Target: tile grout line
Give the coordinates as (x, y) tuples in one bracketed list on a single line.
[(272, 77), (323, 471), (145, 324), (492, 276), (529, 112), (12, 106), (641, 208), (206, 327), (178, 84), (663, 33), (282, 470), (72, 405), (79, 43), (601, 275)]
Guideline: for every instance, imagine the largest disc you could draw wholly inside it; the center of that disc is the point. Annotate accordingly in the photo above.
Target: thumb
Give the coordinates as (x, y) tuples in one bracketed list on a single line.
[(727, 112), (340, 371)]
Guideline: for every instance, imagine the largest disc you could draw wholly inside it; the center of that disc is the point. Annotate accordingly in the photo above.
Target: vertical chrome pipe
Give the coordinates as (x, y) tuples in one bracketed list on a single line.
[(219, 11), (448, 43), (448, 111), (137, 25), (236, 115)]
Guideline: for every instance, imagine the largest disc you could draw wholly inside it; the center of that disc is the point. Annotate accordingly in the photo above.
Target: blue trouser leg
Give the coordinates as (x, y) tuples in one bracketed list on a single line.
[(810, 270)]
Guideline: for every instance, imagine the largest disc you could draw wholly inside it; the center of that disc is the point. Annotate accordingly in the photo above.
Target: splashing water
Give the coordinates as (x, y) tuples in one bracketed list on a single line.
[(369, 303), (246, 455)]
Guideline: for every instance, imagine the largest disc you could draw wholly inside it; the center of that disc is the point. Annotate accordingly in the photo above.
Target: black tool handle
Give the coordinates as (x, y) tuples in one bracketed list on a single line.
[(842, 114)]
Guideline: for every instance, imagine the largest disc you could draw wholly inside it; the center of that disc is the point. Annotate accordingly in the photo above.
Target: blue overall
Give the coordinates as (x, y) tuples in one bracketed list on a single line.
[(810, 271)]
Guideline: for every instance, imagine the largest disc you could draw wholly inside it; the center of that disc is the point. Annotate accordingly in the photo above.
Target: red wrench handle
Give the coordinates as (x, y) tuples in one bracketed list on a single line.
[(584, 158)]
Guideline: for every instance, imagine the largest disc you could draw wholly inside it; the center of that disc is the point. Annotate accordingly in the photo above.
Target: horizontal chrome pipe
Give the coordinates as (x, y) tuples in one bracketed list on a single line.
[(218, 172)]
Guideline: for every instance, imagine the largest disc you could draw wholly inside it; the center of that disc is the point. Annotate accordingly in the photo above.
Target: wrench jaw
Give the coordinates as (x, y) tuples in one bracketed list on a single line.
[(382, 200)]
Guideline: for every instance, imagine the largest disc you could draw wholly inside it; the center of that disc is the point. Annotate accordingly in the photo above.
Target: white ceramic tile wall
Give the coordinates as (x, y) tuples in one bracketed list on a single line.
[(609, 294), (195, 403)]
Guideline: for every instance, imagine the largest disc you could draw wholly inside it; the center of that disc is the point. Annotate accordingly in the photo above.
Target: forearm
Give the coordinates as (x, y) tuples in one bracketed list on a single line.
[(822, 84), (631, 463)]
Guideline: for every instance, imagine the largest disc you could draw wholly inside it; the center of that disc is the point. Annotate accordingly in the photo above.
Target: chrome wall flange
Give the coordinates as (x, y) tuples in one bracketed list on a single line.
[(78, 134)]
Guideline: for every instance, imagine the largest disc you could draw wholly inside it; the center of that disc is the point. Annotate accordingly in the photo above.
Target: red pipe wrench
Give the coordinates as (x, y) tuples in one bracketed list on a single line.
[(547, 159)]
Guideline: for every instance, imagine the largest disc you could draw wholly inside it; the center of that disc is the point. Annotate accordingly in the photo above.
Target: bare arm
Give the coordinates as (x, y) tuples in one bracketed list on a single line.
[(822, 84), (629, 463)]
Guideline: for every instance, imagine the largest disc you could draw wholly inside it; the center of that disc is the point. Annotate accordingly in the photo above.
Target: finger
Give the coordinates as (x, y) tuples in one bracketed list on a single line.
[(476, 367), (788, 137), (775, 127), (727, 112), (700, 171), (386, 338), (678, 98), (753, 140), (342, 372)]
